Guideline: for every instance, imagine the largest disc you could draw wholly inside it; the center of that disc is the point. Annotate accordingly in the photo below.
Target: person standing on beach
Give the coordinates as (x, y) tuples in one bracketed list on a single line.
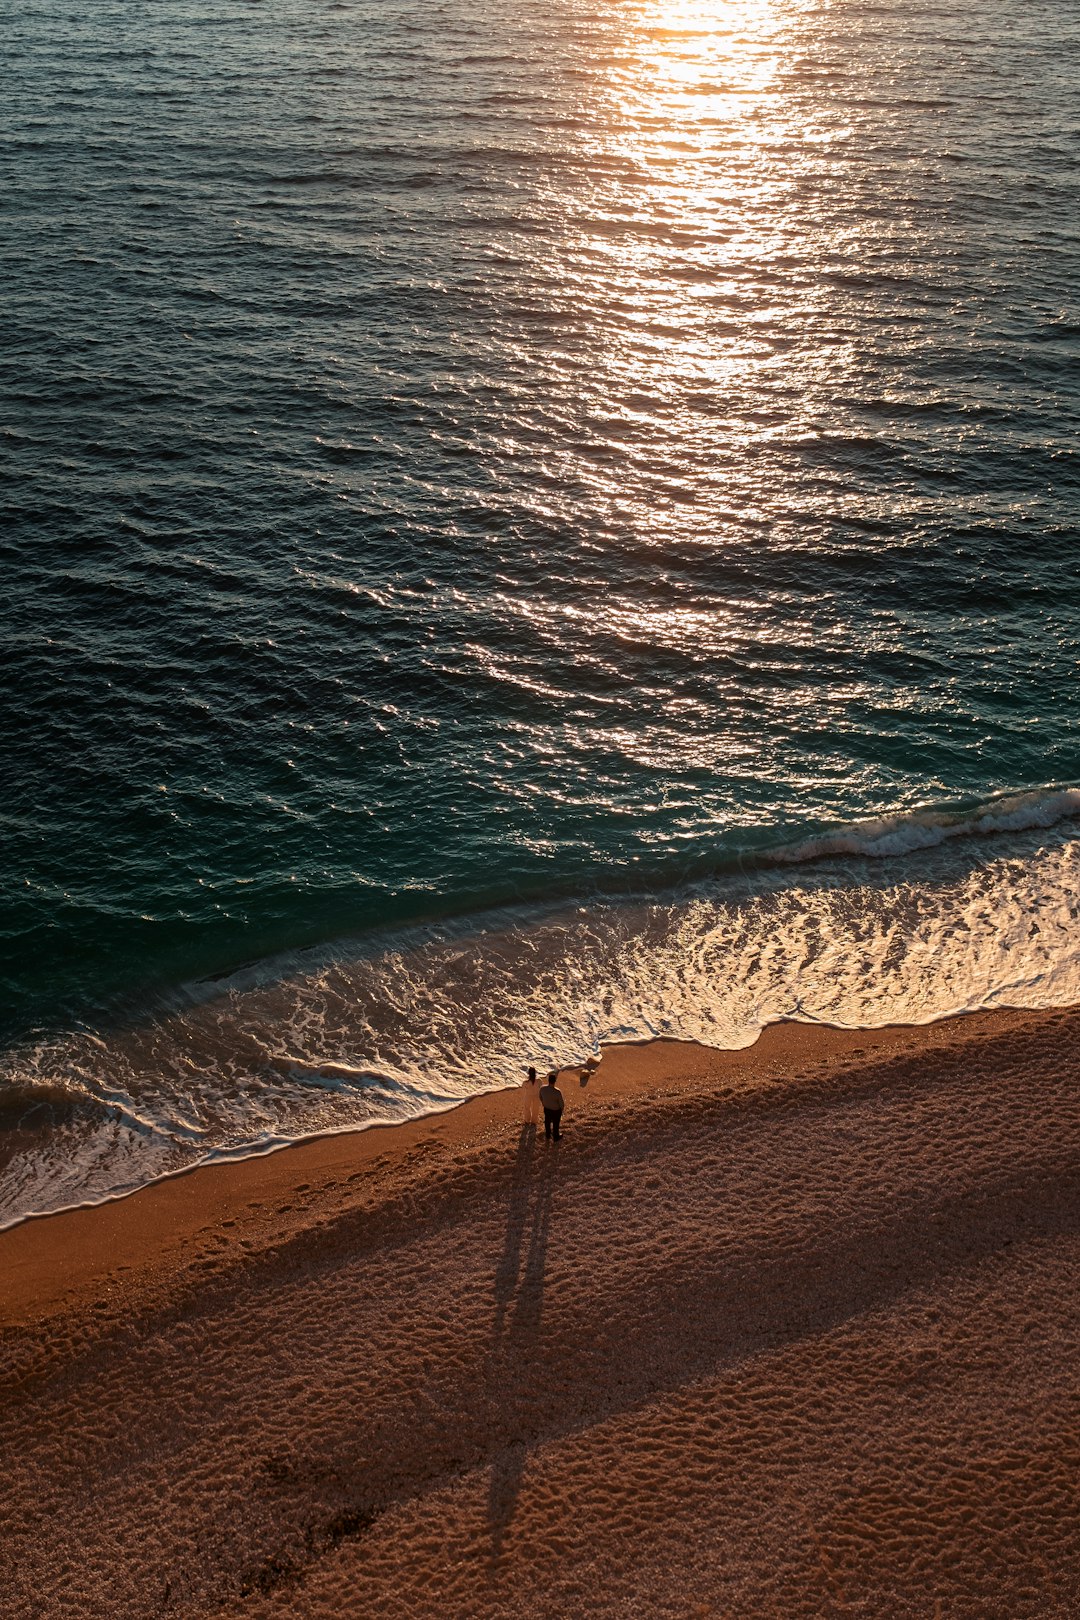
[(530, 1099), (552, 1099)]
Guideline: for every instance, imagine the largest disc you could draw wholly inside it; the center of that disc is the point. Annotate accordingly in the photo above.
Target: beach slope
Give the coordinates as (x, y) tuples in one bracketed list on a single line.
[(785, 1332)]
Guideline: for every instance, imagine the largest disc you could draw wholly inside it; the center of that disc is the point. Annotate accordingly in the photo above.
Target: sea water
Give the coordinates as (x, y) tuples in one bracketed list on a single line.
[(521, 527)]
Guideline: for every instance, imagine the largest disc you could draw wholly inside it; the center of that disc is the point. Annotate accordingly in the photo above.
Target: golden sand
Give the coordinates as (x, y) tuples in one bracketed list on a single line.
[(787, 1332)]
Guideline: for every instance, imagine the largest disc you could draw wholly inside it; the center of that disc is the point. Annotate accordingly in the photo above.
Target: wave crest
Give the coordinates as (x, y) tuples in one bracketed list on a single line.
[(907, 831)]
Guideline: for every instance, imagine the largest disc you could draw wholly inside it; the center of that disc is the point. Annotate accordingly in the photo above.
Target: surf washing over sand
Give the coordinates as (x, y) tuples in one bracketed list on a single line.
[(901, 920)]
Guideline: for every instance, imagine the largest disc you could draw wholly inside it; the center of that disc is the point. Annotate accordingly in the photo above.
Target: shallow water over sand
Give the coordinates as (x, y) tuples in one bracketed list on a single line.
[(388, 1028)]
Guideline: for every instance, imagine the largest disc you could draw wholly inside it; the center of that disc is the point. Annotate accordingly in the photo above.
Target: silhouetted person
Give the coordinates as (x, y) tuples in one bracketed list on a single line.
[(530, 1106), (552, 1099)]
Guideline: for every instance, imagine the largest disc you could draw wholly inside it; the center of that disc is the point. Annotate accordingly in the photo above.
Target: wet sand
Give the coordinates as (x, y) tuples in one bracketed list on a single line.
[(784, 1332)]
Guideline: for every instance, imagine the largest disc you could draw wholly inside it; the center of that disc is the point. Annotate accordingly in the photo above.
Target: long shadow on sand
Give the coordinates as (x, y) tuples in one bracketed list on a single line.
[(519, 1301)]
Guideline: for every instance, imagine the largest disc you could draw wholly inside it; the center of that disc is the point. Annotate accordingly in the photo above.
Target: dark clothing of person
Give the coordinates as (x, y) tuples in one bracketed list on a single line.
[(552, 1099)]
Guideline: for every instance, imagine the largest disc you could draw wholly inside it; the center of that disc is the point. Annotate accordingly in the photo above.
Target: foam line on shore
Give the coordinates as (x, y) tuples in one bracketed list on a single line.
[(414, 1021)]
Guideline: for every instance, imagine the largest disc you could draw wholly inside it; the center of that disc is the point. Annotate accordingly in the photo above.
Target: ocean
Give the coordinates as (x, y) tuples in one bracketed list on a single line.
[(521, 527)]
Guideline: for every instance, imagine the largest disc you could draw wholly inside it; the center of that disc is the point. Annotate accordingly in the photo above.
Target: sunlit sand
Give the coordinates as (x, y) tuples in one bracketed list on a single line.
[(783, 1332)]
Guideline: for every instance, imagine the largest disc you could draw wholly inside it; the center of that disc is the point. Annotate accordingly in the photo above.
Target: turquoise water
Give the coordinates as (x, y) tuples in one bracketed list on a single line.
[(490, 497)]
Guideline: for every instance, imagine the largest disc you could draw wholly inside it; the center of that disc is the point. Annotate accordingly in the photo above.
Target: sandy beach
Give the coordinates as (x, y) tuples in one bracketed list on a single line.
[(790, 1331)]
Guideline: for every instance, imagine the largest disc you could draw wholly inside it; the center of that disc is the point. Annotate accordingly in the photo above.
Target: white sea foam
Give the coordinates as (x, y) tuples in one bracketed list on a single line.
[(911, 830), (414, 1022)]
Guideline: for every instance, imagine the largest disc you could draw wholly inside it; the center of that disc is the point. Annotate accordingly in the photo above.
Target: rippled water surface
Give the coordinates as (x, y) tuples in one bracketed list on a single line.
[(491, 485)]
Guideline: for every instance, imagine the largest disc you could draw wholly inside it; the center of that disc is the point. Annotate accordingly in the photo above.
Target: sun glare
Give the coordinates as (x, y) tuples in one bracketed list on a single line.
[(711, 52), (697, 113), (702, 135), (711, 48)]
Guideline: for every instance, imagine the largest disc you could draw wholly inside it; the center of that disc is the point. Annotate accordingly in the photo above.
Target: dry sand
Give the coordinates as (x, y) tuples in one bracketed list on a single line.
[(786, 1332)]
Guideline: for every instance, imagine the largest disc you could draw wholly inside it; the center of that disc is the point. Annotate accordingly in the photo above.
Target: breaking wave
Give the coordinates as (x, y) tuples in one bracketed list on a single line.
[(906, 831), (902, 920)]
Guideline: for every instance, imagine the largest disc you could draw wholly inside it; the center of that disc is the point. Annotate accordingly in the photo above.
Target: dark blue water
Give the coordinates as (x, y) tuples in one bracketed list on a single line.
[(457, 456)]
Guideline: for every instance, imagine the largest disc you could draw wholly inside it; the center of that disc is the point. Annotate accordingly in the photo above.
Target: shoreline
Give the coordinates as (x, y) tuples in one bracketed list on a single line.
[(44, 1266), (788, 1330), (48, 1258)]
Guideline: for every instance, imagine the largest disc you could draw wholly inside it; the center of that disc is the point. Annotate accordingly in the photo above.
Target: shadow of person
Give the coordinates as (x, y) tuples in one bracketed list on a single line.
[(525, 1323), (506, 1272), (517, 1336)]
